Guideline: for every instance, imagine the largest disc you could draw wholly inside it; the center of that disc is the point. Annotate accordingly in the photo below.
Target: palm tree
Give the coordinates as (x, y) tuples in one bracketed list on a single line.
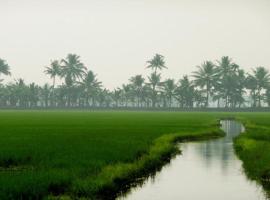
[(22, 92), (72, 69), (225, 66), (251, 85), (116, 95), (156, 63), (226, 70), (53, 71), (154, 82), (267, 95), (239, 91), (185, 93), (4, 68), (137, 83), (169, 87), (91, 86), (45, 94), (261, 78), (127, 90), (205, 77), (34, 94)]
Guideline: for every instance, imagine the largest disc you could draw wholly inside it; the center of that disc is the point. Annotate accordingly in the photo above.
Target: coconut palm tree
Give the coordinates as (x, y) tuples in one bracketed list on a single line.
[(267, 95), (168, 87), (91, 86), (34, 94), (137, 84), (156, 63), (128, 91), (53, 70), (226, 72), (45, 94), (185, 93), (4, 68), (205, 77), (239, 91), (116, 96), (251, 86), (261, 78), (72, 69), (154, 81)]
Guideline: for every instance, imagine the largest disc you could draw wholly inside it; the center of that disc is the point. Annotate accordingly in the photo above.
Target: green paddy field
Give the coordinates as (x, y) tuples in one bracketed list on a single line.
[(68, 154)]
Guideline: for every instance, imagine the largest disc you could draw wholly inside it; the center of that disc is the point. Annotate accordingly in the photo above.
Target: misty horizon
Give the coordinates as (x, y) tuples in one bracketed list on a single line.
[(116, 39)]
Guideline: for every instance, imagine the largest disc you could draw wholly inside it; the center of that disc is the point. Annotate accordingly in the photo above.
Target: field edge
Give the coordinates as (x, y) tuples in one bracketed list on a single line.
[(251, 150), (118, 178)]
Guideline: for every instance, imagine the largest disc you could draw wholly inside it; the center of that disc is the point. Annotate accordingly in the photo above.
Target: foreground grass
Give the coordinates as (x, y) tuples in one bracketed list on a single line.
[(46, 154), (88, 154), (253, 147)]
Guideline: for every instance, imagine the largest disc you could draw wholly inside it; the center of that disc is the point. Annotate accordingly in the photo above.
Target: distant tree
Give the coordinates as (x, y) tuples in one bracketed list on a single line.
[(168, 87), (206, 77), (137, 83), (116, 95), (261, 79), (53, 70), (72, 69), (239, 89), (33, 94), (22, 92), (226, 70), (224, 83), (267, 95), (251, 86), (154, 82), (4, 68), (185, 93), (199, 98), (156, 63), (45, 94), (127, 90), (91, 87)]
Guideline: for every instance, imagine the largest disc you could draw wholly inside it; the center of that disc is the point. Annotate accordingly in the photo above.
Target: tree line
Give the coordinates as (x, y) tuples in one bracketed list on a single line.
[(214, 84)]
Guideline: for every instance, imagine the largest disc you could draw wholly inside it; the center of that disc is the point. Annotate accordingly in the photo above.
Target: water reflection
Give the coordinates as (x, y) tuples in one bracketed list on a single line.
[(205, 170)]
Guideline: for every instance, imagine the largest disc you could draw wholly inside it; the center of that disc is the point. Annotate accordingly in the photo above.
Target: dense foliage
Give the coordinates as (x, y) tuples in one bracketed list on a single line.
[(214, 84)]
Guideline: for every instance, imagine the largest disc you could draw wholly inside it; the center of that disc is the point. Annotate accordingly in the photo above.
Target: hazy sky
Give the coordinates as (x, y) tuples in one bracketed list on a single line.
[(115, 38)]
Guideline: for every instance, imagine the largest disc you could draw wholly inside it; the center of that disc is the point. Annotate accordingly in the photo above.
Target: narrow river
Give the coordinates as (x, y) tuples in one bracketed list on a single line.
[(206, 170)]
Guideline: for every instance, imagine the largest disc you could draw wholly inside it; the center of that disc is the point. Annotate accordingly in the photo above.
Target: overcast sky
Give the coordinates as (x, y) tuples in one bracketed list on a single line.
[(115, 38)]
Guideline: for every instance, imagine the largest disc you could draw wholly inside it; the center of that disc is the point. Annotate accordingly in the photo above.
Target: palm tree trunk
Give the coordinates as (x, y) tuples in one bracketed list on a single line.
[(53, 99), (259, 97)]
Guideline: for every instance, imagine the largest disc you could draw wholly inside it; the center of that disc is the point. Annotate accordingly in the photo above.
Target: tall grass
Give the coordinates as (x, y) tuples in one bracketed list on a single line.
[(78, 153), (253, 147)]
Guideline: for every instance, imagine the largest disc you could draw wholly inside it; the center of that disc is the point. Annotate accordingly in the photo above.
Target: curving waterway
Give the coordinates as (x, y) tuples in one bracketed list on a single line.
[(207, 170)]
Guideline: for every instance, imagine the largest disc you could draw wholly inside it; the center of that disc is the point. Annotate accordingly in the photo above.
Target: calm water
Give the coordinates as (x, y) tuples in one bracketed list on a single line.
[(205, 170)]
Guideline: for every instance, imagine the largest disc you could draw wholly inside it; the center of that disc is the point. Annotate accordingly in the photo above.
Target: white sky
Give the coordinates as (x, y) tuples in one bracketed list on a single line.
[(115, 38)]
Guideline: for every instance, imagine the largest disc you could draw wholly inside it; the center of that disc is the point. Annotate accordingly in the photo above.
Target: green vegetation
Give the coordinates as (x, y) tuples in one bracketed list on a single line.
[(253, 147), (92, 154), (82, 153), (221, 84)]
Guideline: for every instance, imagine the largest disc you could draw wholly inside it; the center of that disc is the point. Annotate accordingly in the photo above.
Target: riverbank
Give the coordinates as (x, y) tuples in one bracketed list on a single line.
[(253, 147), (118, 178)]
